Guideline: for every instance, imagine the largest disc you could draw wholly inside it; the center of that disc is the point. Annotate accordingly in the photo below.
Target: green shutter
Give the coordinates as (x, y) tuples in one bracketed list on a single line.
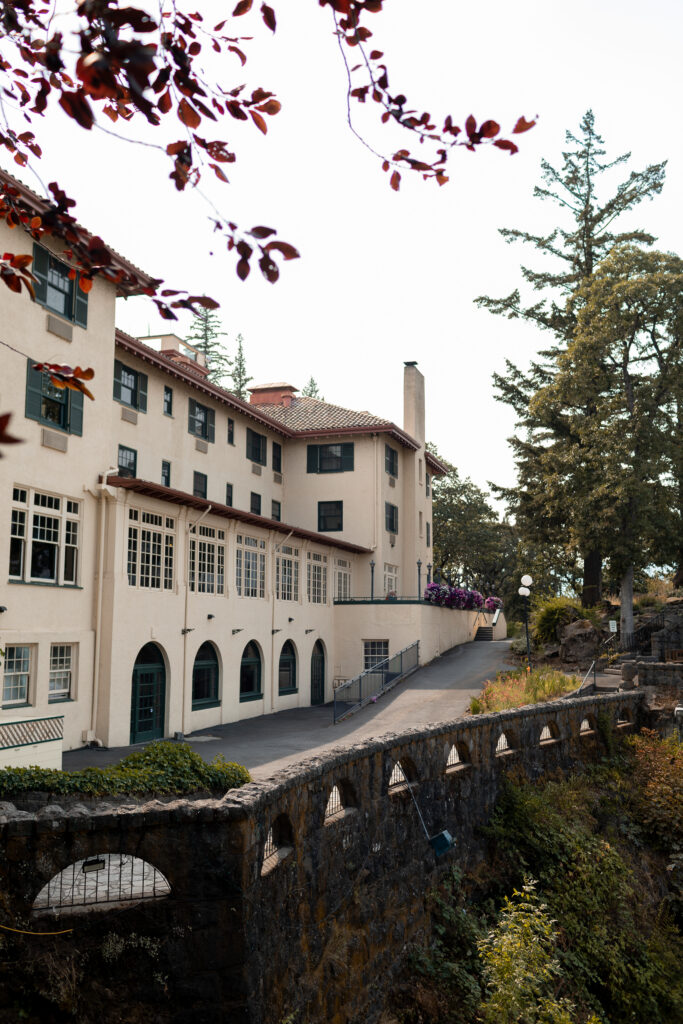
[(117, 380), (211, 424), (76, 413), (312, 454), (34, 392), (142, 392), (191, 414), (80, 304), (39, 270), (347, 458), (263, 443)]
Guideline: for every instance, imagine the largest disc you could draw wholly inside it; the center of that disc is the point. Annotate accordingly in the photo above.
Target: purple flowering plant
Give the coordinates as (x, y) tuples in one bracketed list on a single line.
[(460, 598)]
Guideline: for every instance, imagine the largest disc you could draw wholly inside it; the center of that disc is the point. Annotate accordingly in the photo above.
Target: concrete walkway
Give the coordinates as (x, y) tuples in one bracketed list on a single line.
[(439, 692)]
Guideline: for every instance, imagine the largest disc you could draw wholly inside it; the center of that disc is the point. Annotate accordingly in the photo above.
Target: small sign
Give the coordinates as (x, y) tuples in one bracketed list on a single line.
[(612, 625)]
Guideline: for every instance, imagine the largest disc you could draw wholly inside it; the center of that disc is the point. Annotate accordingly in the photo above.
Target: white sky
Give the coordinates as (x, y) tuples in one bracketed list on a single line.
[(386, 277)]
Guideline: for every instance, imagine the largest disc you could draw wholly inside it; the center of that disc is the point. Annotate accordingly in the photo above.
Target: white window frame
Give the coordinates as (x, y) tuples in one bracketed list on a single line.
[(390, 578), (250, 567), (374, 652), (206, 568), (150, 549), (58, 518), (287, 574), (316, 578), (62, 671), (342, 579), (17, 669)]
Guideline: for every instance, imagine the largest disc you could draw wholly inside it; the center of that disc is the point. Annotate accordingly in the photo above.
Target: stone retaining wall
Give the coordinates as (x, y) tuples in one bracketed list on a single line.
[(318, 929)]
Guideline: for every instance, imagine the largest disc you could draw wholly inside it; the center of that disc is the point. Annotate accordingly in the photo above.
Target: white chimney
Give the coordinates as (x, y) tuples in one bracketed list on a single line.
[(414, 402)]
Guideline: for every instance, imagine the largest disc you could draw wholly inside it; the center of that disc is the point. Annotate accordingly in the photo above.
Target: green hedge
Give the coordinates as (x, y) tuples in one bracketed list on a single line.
[(159, 768)]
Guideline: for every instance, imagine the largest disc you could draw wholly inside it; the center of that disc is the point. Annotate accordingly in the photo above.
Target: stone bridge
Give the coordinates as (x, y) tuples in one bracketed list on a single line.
[(294, 896)]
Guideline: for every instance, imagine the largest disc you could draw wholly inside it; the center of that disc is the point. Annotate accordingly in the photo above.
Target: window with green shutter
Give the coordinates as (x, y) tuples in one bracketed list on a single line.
[(390, 460), (130, 386), (55, 290), (391, 517), (201, 421), (329, 458), (60, 408), (257, 447), (277, 457)]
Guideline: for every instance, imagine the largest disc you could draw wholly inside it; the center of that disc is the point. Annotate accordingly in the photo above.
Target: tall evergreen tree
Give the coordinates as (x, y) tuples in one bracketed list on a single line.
[(585, 237), (204, 334), (240, 380), (311, 390)]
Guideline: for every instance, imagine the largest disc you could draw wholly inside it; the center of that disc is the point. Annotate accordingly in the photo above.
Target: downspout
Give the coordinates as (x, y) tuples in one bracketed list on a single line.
[(189, 528), (103, 491), (277, 548)]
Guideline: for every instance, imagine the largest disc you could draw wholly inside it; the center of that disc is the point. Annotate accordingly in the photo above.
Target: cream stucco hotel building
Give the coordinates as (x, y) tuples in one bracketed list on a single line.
[(176, 558)]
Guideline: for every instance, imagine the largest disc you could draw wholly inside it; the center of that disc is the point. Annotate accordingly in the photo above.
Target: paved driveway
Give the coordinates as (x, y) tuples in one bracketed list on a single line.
[(439, 692)]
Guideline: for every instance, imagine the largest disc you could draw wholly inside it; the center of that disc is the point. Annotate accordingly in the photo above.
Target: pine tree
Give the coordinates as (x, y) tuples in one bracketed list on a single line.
[(312, 390), (579, 246), (240, 380), (204, 334)]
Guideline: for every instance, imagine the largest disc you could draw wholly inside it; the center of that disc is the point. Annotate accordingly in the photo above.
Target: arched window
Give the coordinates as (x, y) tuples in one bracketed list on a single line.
[(205, 677), (250, 673), (100, 883), (287, 670)]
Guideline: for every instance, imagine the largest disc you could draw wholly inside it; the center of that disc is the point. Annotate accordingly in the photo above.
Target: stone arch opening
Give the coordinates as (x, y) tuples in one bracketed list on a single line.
[(279, 843), (101, 882), (504, 743), (458, 756), (549, 733)]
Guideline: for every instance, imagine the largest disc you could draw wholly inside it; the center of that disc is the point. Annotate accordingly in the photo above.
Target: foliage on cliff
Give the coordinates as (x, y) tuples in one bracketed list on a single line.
[(159, 768), (597, 935), (515, 689)]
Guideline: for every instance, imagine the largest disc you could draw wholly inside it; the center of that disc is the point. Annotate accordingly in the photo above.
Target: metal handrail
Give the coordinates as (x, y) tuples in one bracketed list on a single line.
[(374, 681)]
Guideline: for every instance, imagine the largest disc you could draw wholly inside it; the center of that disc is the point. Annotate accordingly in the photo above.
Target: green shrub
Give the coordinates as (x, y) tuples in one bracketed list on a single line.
[(162, 767), (551, 614)]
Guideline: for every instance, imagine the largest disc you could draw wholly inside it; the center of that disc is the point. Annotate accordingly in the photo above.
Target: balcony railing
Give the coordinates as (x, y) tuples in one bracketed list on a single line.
[(381, 599)]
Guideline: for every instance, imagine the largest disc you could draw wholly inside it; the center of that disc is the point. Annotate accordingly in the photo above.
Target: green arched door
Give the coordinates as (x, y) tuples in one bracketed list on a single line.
[(148, 699), (318, 674)]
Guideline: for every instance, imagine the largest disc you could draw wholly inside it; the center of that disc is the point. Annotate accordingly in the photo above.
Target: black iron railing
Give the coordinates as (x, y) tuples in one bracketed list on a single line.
[(381, 599), (641, 639), (374, 681)]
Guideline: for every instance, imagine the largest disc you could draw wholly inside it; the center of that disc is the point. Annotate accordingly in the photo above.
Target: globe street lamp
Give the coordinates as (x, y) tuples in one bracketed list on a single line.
[(524, 592)]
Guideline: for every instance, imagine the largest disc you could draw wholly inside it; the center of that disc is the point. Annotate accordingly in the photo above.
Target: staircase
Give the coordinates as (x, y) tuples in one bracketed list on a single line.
[(484, 633)]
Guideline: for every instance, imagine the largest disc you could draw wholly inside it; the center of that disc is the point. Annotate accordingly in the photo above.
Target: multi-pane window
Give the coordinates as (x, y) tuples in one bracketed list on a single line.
[(250, 567), (329, 458), (277, 457), (128, 461), (165, 473), (390, 460), (255, 504), (151, 543), (317, 578), (130, 386), (257, 447), (287, 574), (168, 400), (44, 537), (428, 527), (54, 407), (205, 677), (228, 495), (61, 668), (390, 578), (56, 288), (207, 561), (374, 651), (199, 485), (391, 517), (276, 511), (16, 675), (330, 516), (428, 481), (201, 421), (231, 431), (287, 668), (342, 579)]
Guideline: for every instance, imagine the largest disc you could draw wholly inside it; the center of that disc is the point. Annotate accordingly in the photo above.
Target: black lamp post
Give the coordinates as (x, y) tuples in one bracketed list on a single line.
[(429, 572), (524, 592), (419, 576), (372, 579)]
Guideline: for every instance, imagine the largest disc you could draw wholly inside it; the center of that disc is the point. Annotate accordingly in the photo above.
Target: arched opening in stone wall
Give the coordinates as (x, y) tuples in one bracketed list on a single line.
[(458, 756), (624, 717), (587, 726), (504, 744), (549, 733), (279, 843), (403, 773), (101, 882)]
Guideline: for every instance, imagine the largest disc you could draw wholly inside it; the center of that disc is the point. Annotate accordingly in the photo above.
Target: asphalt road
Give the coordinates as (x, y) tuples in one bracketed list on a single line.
[(437, 693)]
